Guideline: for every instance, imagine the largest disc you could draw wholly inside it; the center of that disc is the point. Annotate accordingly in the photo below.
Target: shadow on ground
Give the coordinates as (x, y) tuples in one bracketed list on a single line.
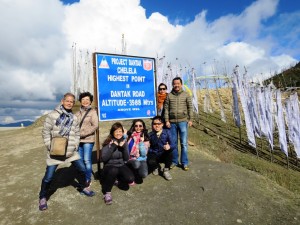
[(211, 192)]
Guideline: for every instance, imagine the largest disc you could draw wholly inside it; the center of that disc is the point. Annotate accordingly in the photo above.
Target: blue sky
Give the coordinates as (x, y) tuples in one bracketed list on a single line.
[(182, 12), (38, 48)]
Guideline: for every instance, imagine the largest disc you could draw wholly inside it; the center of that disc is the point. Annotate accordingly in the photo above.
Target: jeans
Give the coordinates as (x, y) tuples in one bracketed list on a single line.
[(140, 166), (181, 129), (50, 170), (85, 152)]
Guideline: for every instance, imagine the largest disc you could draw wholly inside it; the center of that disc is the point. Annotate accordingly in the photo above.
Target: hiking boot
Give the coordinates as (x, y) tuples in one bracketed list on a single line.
[(43, 204), (86, 191), (155, 172), (173, 165), (185, 168), (107, 198), (167, 174)]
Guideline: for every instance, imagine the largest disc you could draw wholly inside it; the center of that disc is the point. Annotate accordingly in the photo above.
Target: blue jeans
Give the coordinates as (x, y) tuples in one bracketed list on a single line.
[(181, 129), (50, 170), (85, 152)]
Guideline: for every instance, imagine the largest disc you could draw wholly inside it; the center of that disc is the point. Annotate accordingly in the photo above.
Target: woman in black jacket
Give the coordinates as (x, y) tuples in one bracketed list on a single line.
[(115, 155)]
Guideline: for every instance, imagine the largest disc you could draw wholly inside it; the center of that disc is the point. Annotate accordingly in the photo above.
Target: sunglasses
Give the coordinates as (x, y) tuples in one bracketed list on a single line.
[(157, 123), (162, 89), (138, 125)]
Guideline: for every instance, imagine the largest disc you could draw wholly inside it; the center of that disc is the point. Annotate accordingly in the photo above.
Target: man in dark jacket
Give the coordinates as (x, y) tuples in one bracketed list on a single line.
[(161, 147), (179, 115)]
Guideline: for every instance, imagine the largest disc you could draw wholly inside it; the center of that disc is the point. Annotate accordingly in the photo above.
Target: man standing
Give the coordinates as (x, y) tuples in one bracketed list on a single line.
[(178, 116)]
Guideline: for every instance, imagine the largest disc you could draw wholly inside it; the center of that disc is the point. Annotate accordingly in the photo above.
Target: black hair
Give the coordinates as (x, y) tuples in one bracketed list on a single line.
[(162, 84), (131, 130), (177, 78), (86, 94), (114, 127), (160, 118)]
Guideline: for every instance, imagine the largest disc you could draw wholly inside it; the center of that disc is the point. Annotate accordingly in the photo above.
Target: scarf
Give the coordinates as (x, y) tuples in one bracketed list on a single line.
[(64, 121), (133, 145), (160, 99), (84, 109)]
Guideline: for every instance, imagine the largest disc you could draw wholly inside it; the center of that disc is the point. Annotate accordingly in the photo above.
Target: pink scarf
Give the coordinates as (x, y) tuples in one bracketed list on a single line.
[(134, 152)]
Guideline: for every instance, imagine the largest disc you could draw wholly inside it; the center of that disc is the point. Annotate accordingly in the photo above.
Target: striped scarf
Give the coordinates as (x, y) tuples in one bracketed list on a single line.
[(133, 145), (64, 122)]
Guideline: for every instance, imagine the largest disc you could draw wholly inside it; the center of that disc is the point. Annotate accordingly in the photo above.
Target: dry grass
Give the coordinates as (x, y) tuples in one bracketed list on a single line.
[(229, 144)]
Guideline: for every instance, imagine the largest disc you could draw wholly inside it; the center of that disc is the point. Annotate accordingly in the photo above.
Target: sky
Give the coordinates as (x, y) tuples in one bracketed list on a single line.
[(37, 46)]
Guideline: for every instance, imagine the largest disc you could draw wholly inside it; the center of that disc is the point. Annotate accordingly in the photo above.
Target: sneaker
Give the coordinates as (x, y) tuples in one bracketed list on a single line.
[(155, 172), (185, 168), (88, 183), (107, 198), (116, 183), (132, 183), (173, 165), (86, 191), (43, 204), (167, 174)]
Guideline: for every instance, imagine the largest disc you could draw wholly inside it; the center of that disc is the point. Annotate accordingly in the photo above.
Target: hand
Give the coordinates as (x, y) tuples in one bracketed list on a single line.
[(190, 123), (122, 143), (167, 146), (142, 138), (168, 125), (114, 142)]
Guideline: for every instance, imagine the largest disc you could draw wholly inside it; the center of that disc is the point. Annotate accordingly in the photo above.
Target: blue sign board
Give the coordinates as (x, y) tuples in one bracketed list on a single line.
[(126, 87)]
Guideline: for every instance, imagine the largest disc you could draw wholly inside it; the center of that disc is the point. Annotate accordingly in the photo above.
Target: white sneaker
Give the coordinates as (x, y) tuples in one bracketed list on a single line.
[(155, 172), (167, 174)]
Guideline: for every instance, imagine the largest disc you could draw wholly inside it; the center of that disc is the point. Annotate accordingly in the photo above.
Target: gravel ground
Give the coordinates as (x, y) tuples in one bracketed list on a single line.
[(211, 192)]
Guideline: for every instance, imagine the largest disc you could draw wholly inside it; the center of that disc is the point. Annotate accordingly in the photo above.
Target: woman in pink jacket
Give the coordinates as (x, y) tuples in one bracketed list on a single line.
[(89, 123)]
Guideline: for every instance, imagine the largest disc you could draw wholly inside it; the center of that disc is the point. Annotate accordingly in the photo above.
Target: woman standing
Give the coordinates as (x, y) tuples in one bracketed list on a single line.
[(161, 96), (88, 125), (138, 144), (115, 155)]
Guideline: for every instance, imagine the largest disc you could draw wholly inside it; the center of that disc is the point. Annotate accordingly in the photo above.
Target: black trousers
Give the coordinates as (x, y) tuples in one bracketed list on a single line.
[(111, 173), (154, 160)]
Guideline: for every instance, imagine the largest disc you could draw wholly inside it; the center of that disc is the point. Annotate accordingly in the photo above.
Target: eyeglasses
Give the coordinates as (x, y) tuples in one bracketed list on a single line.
[(162, 89), (157, 123), (138, 125)]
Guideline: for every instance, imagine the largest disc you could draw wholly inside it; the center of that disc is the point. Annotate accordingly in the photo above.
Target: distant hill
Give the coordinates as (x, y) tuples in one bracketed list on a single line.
[(18, 124), (287, 78)]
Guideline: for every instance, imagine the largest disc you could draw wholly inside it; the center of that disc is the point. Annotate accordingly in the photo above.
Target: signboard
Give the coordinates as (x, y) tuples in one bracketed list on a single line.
[(125, 87)]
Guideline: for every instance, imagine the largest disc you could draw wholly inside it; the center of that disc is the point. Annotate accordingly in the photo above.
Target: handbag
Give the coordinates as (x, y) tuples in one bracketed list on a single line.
[(58, 147)]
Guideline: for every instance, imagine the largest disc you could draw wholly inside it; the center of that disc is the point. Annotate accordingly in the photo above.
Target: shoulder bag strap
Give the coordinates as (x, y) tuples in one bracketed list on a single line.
[(84, 117)]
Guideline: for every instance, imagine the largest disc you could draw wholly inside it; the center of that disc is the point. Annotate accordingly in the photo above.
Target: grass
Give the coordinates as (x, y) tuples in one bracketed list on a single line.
[(229, 144)]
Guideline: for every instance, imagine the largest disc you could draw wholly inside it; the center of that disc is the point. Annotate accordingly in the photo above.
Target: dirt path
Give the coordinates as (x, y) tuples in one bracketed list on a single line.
[(211, 192)]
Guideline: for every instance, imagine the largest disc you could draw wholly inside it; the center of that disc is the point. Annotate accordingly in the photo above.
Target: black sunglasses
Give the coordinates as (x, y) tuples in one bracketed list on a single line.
[(162, 89)]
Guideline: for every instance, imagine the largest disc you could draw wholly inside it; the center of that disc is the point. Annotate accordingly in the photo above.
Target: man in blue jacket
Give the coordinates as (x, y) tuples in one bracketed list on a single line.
[(161, 147)]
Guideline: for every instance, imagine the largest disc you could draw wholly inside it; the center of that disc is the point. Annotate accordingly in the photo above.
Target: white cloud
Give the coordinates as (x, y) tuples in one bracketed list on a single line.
[(8, 119), (37, 38)]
